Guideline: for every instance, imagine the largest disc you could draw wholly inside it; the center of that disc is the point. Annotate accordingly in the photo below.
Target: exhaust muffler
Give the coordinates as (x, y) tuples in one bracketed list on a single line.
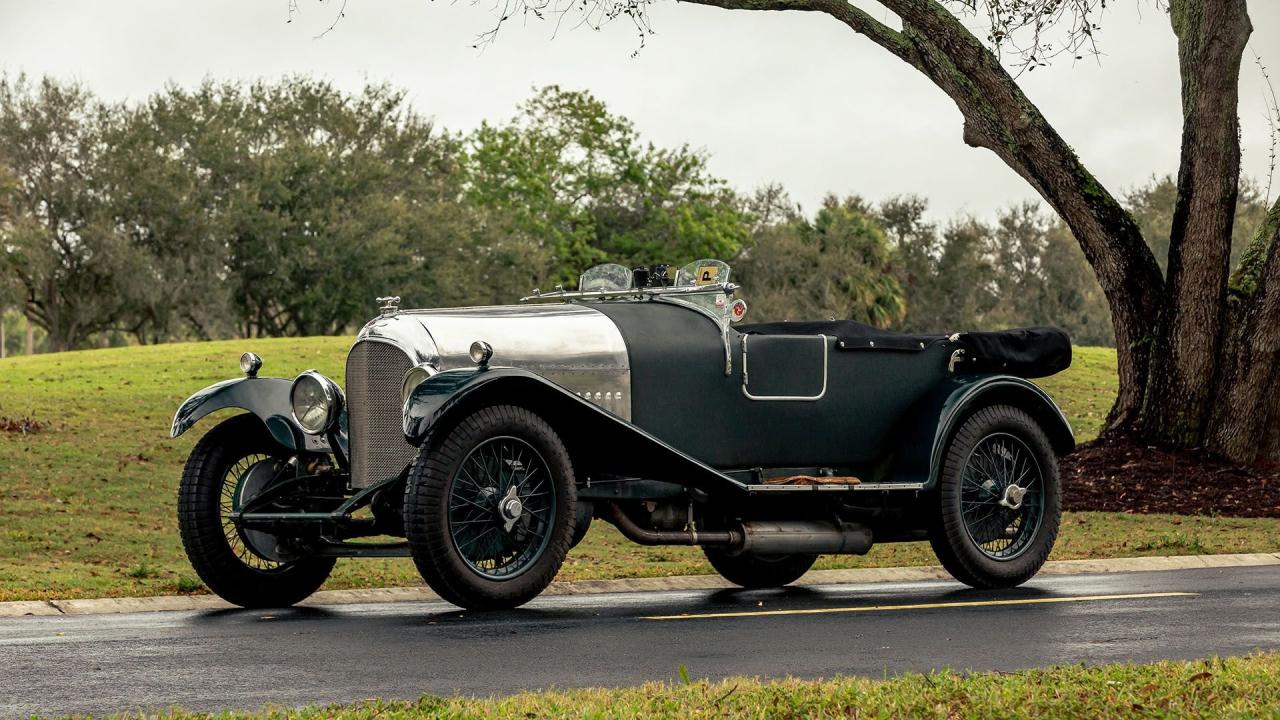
[(784, 537)]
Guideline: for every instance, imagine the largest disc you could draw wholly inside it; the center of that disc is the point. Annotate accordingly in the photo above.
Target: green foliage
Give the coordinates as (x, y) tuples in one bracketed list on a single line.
[(568, 172), (1152, 206), (60, 247), (1234, 687), (1026, 269), (1244, 280), (285, 208), (319, 201), (838, 265)]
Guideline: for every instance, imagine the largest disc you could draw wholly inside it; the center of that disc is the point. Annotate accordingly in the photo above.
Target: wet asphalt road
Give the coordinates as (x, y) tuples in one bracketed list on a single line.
[(244, 659)]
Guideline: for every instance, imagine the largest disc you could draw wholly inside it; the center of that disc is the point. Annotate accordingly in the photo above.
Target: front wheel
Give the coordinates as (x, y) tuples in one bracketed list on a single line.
[(489, 508), (233, 462), (999, 500), (752, 570)]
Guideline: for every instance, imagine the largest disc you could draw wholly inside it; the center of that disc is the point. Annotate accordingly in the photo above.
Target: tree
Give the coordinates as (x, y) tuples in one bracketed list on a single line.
[(1198, 347), (571, 173), (315, 201), (917, 246), (837, 266), (76, 274), (167, 207)]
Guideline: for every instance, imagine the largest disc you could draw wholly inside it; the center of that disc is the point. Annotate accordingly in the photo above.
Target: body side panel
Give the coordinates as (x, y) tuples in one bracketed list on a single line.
[(682, 396)]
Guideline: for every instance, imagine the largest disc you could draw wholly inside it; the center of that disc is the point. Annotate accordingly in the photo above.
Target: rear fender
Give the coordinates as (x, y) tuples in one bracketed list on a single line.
[(598, 440), (267, 398), (935, 419)]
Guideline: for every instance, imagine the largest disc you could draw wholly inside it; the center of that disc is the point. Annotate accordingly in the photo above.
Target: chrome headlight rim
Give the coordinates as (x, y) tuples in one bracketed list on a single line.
[(333, 401), (414, 377), (250, 364)]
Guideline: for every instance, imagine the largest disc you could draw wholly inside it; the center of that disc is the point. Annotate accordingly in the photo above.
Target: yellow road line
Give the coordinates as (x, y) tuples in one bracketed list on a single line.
[(921, 606)]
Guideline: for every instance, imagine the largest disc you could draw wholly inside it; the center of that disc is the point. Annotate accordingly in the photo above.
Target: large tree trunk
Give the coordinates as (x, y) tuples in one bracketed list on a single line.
[(1245, 422), (1211, 40)]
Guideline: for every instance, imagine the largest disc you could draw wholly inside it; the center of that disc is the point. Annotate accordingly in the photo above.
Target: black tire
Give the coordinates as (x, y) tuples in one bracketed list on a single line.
[(218, 553), (583, 514), (759, 571), (996, 445), (437, 538)]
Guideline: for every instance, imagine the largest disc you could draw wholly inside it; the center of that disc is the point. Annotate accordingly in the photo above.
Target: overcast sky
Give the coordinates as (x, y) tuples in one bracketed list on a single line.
[(789, 97)]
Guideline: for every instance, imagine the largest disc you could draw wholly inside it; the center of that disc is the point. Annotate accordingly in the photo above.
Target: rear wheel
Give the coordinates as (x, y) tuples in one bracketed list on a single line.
[(233, 462), (999, 500), (490, 509), (751, 570)]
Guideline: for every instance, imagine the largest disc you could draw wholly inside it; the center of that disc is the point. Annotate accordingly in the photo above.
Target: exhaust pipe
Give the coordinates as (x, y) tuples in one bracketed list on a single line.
[(643, 536), (765, 537)]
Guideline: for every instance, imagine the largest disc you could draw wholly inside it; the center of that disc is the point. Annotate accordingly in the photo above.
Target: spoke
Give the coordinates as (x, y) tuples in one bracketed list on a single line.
[(477, 537), (501, 465), (471, 522), (468, 501), (464, 474)]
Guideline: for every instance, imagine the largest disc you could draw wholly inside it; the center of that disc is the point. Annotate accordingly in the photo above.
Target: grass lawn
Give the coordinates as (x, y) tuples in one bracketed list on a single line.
[(89, 500), (1235, 687)]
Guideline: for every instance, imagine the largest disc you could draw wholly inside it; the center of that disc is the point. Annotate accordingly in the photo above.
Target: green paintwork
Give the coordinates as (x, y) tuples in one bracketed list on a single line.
[(914, 454), (268, 398)]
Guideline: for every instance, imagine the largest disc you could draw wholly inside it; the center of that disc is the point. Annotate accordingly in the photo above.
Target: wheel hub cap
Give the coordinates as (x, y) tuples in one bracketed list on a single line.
[(511, 508), (1013, 497)]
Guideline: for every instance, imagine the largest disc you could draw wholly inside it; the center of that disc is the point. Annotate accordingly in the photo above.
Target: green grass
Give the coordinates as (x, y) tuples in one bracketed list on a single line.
[(89, 500), (1230, 688)]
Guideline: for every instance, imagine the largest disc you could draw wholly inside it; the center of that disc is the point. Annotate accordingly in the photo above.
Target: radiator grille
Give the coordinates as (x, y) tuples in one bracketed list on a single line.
[(379, 451)]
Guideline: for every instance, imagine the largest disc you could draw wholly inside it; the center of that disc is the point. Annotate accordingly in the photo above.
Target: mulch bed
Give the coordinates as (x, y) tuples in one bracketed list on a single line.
[(1118, 474)]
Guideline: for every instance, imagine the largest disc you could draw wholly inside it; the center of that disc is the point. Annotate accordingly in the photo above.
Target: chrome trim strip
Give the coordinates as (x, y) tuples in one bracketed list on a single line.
[(890, 486), (639, 293), (721, 322), (826, 353)]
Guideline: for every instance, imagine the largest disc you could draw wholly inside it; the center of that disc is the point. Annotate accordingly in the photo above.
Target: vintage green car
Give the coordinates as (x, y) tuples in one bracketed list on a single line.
[(483, 441)]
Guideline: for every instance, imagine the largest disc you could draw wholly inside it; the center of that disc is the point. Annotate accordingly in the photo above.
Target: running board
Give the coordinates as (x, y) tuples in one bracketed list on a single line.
[(859, 487)]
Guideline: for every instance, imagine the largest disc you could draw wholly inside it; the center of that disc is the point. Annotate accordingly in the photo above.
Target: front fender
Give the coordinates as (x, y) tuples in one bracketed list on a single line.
[(599, 440), (937, 416), (267, 398)]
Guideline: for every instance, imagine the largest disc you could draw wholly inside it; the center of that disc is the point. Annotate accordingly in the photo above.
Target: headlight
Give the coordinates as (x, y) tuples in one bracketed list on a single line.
[(316, 402), (250, 363), (413, 379)]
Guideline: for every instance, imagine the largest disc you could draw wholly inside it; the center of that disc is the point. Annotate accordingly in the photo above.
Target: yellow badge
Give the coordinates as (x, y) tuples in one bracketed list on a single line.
[(707, 274)]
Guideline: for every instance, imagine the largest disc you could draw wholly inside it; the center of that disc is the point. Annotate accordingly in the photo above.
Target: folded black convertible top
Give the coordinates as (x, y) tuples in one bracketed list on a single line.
[(1025, 352)]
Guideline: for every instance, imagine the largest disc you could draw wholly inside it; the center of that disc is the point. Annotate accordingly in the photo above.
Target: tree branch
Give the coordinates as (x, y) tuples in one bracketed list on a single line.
[(857, 19), (998, 116)]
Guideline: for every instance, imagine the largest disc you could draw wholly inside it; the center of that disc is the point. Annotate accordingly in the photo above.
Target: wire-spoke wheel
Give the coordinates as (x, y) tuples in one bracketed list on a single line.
[(1001, 496), (237, 486), (232, 463), (999, 501), (501, 507), (490, 508)]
